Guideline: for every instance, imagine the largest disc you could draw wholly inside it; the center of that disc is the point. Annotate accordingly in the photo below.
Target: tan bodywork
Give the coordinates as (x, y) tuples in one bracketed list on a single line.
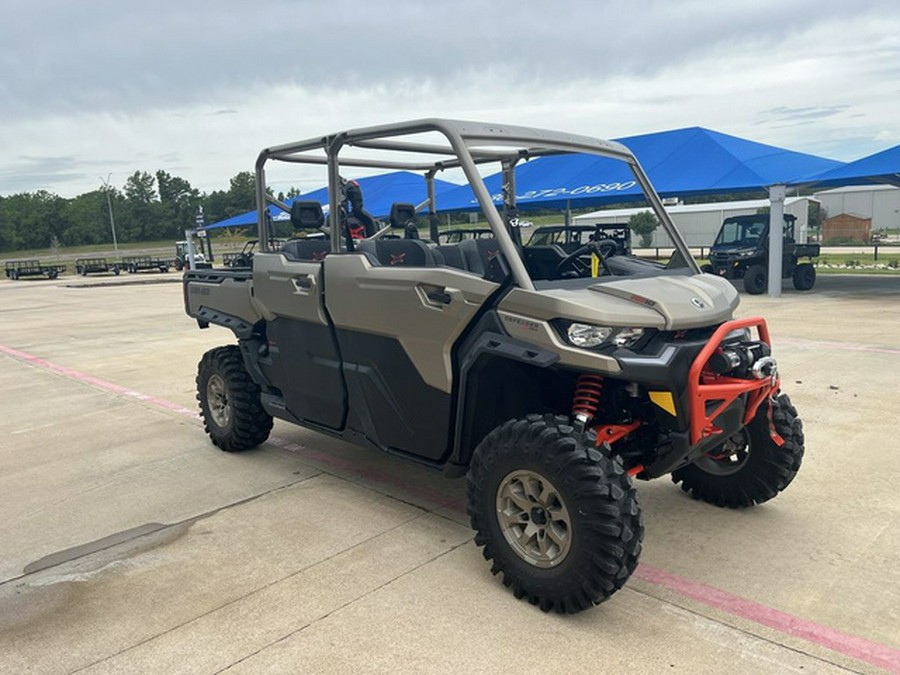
[(678, 303), (394, 302)]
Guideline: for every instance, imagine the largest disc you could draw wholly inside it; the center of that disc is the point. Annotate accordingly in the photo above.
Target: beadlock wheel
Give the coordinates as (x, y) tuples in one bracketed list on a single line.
[(219, 405), (533, 518)]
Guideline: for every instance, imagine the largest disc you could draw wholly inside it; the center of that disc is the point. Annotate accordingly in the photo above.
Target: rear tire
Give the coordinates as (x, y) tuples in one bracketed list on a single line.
[(230, 405), (804, 276), (749, 468), (755, 279), (558, 517)]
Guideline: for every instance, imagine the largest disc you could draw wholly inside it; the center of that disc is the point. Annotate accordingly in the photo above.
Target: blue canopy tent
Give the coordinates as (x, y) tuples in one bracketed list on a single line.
[(881, 167), (681, 162), (379, 192)]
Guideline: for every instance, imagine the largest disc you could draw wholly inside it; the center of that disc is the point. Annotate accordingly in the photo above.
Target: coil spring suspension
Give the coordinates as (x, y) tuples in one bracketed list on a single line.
[(586, 401)]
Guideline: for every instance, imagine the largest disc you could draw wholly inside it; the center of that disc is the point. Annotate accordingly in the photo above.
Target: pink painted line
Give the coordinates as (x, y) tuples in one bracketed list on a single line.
[(95, 381), (850, 645), (864, 650)]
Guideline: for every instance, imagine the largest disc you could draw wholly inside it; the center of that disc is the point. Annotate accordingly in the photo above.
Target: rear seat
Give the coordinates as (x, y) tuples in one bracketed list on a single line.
[(306, 216)]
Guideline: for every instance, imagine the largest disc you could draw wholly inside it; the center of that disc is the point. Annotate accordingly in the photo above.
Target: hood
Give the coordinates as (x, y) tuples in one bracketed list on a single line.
[(683, 302)]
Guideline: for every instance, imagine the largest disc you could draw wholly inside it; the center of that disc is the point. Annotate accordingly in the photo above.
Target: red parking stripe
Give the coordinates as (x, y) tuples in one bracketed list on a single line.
[(843, 643), (850, 645)]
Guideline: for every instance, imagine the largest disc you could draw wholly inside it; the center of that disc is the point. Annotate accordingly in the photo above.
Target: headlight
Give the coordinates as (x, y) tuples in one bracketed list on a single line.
[(628, 336), (588, 336)]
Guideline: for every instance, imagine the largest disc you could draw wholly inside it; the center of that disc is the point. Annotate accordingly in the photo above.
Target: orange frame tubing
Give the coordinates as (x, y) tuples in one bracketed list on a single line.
[(704, 387)]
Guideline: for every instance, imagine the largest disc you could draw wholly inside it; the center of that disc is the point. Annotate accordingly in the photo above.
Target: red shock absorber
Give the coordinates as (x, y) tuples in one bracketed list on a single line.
[(587, 396)]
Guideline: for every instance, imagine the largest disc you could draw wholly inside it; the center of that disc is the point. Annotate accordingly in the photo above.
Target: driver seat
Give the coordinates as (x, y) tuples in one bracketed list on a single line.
[(542, 261)]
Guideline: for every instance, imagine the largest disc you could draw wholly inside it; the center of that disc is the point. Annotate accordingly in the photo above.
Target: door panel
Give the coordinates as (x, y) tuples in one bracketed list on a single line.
[(303, 353), (396, 327), (424, 308)]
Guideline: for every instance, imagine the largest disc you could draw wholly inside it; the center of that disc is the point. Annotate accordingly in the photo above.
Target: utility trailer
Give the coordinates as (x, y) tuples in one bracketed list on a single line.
[(85, 266), (143, 263), (18, 269)]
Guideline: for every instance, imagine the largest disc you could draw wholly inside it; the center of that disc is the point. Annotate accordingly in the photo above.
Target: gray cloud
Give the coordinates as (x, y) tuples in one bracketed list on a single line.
[(114, 56), (197, 88)]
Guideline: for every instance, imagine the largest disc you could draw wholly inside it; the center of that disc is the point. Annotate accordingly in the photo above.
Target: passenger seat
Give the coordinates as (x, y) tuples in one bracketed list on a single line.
[(400, 253)]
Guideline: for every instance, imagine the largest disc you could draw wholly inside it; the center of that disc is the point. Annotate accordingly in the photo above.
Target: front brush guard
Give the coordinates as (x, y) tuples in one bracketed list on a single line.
[(709, 394)]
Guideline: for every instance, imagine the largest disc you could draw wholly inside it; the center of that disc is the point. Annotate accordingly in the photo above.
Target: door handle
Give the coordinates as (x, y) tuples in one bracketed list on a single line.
[(439, 297), (303, 284)]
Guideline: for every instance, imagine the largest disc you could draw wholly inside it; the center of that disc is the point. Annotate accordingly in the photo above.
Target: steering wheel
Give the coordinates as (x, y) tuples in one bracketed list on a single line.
[(604, 248)]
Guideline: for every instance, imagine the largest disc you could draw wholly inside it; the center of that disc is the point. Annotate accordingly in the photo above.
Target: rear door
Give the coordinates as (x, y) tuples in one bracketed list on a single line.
[(303, 353)]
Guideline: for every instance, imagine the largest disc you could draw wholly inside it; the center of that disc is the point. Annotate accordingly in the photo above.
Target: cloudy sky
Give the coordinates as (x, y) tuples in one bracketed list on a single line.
[(198, 87)]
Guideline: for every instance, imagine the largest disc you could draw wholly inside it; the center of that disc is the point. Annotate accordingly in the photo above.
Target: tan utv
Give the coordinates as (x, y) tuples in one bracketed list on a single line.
[(552, 380)]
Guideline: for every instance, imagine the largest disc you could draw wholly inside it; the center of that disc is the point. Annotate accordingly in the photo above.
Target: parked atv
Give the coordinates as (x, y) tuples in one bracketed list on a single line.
[(741, 251), (551, 395)]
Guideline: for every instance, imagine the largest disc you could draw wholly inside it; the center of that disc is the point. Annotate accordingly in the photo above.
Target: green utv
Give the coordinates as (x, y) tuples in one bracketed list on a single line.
[(550, 379)]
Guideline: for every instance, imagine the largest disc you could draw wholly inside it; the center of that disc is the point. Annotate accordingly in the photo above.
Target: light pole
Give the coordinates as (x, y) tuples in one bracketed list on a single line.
[(112, 222)]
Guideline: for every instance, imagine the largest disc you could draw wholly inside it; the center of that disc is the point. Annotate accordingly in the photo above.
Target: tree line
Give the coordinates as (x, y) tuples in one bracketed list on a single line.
[(150, 207)]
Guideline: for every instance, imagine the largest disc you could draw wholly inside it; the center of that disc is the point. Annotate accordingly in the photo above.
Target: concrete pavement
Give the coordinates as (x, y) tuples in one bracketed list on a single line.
[(128, 543)]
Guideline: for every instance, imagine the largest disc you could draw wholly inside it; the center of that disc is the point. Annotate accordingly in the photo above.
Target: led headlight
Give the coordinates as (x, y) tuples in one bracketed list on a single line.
[(586, 336), (626, 337)]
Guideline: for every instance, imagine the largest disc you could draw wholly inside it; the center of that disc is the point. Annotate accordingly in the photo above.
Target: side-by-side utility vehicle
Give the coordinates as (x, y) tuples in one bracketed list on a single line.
[(741, 251), (549, 383)]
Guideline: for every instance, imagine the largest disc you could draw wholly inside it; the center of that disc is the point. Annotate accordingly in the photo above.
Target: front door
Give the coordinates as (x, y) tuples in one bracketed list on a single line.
[(396, 327)]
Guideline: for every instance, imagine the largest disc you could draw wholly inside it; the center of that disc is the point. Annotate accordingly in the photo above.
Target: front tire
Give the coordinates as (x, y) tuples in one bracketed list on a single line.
[(556, 515), (750, 467), (755, 279), (230, 405), (804, 276)]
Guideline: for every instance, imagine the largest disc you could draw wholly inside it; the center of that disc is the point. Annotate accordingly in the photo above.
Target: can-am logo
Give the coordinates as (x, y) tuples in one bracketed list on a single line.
[(698, 303)]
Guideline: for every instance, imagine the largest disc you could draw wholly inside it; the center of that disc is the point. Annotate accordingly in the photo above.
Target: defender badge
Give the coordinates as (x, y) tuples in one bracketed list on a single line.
[(698, 303)]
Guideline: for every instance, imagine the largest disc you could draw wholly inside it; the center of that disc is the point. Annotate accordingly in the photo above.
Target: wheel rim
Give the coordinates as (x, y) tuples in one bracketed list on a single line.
[(727, 458), (534, 519), (217, 398)]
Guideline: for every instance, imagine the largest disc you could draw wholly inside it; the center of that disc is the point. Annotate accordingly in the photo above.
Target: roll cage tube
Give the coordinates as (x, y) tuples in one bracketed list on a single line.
[(470, 144)]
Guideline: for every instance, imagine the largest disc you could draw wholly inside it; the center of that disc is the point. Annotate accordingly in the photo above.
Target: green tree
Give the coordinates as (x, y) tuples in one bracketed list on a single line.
[(141, 219), (88, 218), (644, 224), (31, 219), (178, 203), (242, 194)]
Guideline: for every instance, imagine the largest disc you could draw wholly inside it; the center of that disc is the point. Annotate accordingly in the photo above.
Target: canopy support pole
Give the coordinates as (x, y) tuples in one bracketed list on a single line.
[(776, 238)]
